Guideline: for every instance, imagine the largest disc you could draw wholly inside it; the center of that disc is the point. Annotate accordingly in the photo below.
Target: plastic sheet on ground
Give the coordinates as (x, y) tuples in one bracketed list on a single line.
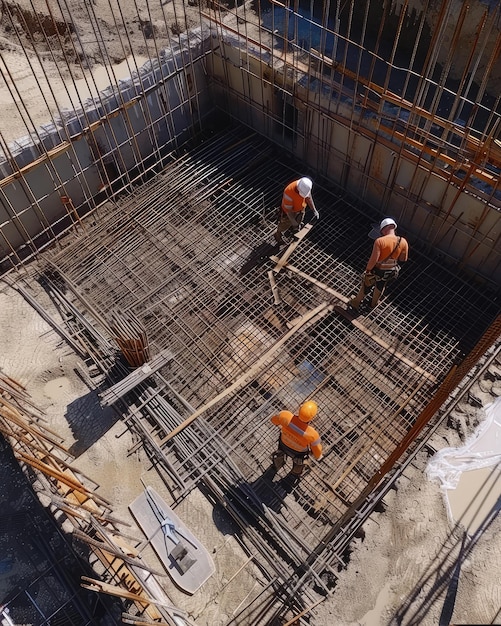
[(470, 476)]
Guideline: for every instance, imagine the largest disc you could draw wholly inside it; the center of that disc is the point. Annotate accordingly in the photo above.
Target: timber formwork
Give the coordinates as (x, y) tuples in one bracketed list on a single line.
[(188, 259), (50, 556)]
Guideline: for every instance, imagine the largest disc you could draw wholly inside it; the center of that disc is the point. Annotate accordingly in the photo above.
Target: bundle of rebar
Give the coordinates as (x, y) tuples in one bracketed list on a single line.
[(131, 338)]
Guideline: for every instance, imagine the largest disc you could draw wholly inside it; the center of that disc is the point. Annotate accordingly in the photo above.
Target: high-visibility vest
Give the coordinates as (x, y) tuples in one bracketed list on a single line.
[(291, 200), (298, 435)]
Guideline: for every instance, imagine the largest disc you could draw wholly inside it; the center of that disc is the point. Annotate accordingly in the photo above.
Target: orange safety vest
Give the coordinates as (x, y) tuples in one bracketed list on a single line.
[(291, 200), (298, 435)]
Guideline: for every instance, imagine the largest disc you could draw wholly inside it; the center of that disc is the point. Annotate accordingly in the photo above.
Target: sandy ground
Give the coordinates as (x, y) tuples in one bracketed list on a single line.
[(37, 83), (398, 572), (32, 353)]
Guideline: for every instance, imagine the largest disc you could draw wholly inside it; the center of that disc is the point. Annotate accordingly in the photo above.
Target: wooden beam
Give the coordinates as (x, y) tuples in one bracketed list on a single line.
[(102, 587), (392, 351), (298, 237), (359, 324), (314, 281), (311, 316)]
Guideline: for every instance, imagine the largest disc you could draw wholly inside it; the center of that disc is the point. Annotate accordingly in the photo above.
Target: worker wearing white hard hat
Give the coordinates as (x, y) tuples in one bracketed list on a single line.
[(376, 228), (296, 197), (383, 265)]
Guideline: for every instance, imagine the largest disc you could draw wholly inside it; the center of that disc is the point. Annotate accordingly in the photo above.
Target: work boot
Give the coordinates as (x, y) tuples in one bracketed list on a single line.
[(278, 459), (278, 239), (354, 304), (297, 468)]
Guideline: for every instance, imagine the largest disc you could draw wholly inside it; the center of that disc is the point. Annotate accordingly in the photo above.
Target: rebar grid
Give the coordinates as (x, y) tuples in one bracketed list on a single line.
[(171, 254)]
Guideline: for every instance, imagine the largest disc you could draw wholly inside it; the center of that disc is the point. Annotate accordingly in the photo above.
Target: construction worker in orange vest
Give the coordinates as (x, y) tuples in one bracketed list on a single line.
[(297, 437), (296, 196), (383, 266)]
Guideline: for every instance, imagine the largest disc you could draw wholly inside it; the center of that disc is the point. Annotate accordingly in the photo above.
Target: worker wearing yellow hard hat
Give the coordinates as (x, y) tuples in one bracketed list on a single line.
[(297, 438)]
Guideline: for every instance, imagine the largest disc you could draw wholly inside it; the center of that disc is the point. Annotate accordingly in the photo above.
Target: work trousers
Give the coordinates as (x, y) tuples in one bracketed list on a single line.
[(298, 458), (383, 277), (290, 220)]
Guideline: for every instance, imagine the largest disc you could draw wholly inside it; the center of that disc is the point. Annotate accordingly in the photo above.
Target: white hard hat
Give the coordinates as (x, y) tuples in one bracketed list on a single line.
[(388, 221), (304, 186)]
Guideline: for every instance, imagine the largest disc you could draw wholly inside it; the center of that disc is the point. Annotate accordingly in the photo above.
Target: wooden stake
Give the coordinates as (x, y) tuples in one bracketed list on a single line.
[(274, 288)]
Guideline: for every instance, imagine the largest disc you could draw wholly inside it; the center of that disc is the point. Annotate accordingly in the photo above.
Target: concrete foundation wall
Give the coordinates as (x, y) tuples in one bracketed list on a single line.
[(119, 139), (50, 181)]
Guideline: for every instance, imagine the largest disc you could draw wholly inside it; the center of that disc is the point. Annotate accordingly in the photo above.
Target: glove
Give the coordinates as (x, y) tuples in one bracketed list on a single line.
[(316, 214), (320, 457)]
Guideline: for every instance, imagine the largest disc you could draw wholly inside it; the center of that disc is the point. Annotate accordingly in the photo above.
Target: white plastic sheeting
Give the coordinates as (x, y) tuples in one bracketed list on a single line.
[(483, 449), (470, 476)]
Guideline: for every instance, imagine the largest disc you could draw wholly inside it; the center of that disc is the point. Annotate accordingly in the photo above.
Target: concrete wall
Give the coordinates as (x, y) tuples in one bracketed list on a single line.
[(92, 153), (349, 147)]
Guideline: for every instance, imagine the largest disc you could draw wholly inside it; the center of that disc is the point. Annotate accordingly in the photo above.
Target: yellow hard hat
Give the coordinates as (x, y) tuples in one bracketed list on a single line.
[(307, 411)]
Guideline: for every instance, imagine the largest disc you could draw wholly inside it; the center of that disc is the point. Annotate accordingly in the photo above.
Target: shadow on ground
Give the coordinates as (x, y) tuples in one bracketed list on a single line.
[(88, 421), (252, 501)]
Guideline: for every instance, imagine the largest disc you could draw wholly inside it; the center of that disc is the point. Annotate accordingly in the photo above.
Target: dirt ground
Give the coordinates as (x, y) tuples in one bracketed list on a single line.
[(398, 571), (83, 36), (59, 59)]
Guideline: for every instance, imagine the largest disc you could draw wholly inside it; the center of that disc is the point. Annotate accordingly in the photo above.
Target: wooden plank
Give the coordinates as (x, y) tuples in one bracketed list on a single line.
[(312, 315), (381, 342), (274, 288), (111, 554), (100, 586), (298, 237), (316, 282)]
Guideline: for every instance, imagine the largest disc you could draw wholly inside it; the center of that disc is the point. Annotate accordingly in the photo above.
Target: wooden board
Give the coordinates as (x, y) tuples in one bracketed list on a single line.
[(185, 559), (352, 316), (298, 237)]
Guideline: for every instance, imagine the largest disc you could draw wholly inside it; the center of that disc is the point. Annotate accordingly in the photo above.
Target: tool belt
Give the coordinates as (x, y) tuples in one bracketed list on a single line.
[(389, 271), (386, 275)]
